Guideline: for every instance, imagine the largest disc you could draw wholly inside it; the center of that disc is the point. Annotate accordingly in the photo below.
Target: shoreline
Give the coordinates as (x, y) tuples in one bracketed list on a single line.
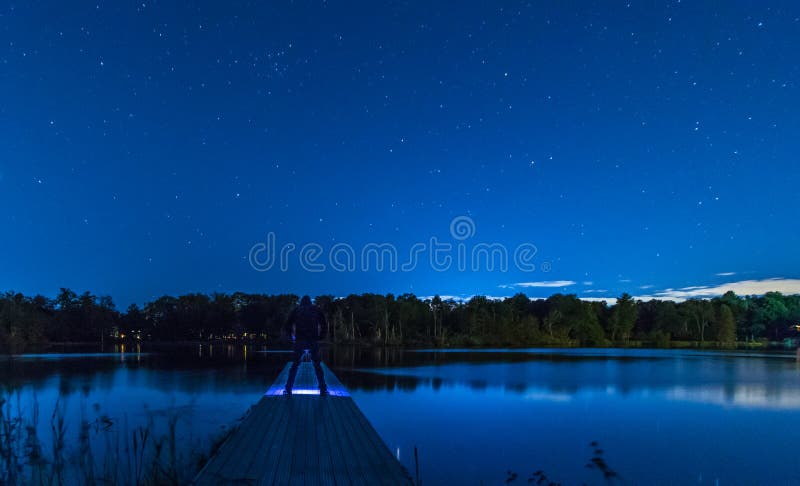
[(109, 348)]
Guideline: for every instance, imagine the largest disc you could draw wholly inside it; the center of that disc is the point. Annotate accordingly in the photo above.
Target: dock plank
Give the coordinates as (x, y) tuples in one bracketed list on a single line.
[(275, 447), (240, 452), (356, 473), (389, 467), (283, 469), (227, 454), (369, 455), (301, 440), (271, 440), (341, 470), (304, 439), (325, 456)]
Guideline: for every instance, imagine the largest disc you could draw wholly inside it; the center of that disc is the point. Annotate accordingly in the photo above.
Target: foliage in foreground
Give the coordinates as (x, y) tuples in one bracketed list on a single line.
[(596, 463), (101, 451)]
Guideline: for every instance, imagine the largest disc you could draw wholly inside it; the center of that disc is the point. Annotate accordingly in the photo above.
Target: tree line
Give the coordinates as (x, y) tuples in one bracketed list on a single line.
[(29, 322)]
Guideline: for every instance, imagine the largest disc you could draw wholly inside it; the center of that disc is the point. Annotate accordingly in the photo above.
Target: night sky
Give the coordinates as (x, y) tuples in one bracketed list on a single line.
[(642, 147)]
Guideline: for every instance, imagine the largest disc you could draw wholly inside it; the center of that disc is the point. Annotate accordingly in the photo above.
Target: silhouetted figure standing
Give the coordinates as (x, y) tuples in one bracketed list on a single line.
[(306, 324)]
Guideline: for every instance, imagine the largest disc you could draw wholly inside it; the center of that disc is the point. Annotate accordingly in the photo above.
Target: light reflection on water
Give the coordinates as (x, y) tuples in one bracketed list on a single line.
[(660, 416)]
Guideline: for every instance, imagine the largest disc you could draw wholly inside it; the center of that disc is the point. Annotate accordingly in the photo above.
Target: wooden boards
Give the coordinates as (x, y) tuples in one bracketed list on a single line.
[(304, 439)]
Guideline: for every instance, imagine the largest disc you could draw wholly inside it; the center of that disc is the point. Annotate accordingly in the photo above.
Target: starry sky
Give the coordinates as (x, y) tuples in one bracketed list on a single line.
[(642, 147)]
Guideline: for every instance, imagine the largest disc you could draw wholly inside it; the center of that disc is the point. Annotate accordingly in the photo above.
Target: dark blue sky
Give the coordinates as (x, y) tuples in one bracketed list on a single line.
[(640, 146)]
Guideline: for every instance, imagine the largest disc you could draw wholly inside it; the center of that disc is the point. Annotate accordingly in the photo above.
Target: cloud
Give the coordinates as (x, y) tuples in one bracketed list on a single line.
[(657, 297), (607, 300), (725, 274), (546, 283), (787, 286), (587, 283), (457, 298), (464, 298)]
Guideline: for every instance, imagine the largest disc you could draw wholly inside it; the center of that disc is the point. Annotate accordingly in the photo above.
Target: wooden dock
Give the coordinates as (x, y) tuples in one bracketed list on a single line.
[(304, 439)]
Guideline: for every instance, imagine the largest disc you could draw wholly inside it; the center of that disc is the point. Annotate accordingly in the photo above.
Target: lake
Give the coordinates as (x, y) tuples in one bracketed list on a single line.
[(659, 416)]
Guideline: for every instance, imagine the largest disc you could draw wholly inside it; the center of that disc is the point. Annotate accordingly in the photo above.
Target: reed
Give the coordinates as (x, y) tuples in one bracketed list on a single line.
[(596, 462), (102, 451)]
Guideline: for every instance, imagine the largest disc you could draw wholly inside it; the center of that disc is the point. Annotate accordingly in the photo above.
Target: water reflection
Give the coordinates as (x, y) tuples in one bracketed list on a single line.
[(748, 396), (770, 381), (473, 414), (723, 378)]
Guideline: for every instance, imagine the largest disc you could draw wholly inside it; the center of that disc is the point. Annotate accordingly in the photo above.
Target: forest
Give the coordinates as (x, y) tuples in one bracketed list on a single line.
[(727, 321)]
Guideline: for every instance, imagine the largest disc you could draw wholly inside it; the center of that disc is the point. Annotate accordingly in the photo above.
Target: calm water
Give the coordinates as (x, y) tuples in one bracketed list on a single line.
[(661, 417)]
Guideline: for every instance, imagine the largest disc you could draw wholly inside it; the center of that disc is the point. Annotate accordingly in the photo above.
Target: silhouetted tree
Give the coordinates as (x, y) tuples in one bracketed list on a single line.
[(623, 318), (402, 320), (726, 326)]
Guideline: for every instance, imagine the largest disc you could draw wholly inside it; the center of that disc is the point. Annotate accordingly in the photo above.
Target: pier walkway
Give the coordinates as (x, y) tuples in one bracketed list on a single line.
[(304, 439)]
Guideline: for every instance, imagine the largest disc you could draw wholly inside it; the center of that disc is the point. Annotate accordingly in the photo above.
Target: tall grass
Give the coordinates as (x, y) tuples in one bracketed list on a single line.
[(102, 451)]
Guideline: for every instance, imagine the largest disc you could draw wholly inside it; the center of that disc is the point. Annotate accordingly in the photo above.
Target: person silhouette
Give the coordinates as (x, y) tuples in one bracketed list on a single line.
[(307, 326)]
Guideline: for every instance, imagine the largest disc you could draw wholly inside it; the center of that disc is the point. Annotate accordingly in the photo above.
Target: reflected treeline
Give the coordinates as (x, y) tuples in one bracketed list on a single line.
[(259, 362), (189, 369), (554, 374), (373, 357), (775, 395), (758, 381)]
